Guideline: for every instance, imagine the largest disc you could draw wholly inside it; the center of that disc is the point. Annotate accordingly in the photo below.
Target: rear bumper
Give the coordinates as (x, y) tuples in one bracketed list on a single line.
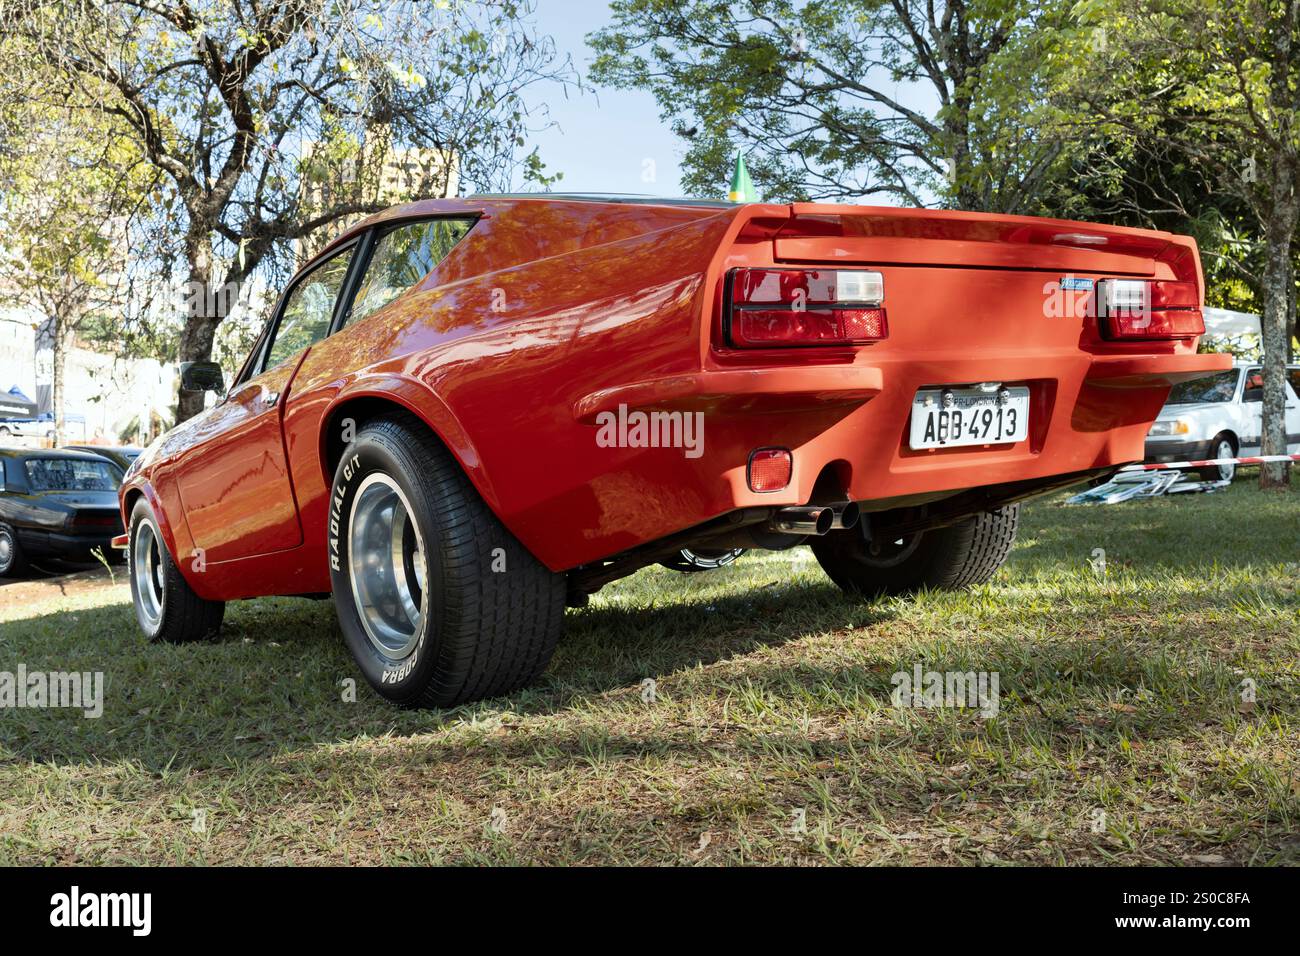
[(1086, 412), (1159, 450), (847, 427), (55, 544)]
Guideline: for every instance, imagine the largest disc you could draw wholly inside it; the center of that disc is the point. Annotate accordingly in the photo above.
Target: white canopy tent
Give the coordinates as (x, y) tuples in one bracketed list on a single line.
[(1228, 323)]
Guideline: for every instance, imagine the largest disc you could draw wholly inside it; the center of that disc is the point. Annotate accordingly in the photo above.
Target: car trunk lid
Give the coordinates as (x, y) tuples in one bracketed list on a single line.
[(867, 235)]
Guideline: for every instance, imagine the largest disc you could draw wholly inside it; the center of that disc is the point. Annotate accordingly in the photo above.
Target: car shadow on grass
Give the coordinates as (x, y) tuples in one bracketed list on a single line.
[(279, 677)]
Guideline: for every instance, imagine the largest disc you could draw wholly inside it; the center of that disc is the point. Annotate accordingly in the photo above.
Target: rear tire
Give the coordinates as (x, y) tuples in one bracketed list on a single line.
[(165, 605), (441, 604), (1223, 445), (947, 559), (12, 560)]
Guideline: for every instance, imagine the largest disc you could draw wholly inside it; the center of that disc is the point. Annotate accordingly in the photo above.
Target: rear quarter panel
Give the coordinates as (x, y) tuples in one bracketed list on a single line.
[(495, 357)]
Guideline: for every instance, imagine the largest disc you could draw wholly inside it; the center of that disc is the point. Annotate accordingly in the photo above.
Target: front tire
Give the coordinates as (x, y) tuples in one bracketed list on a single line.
[(165, 605), (1222, 446), (948, 559), (438, 603)]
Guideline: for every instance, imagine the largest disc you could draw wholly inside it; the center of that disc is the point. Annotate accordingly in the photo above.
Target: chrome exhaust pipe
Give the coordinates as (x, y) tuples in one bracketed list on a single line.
[(845, 515), (811, 519)]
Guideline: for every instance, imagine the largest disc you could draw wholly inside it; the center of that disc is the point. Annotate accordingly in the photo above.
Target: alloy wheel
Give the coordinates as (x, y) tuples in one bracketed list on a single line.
[(147, 570), (1226, 472), (386, 565), (885, 553)]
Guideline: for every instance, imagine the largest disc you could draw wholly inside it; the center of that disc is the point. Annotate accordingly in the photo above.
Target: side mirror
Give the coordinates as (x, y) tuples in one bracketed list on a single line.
[(202, 377)]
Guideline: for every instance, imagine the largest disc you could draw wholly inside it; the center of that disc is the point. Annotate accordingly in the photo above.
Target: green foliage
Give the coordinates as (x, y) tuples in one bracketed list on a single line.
[(838, 99), (1199, 105), (67, 188), (262, 123)]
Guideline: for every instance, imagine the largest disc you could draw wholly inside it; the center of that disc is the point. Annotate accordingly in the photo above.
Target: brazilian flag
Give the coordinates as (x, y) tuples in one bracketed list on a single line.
[(742, 190)]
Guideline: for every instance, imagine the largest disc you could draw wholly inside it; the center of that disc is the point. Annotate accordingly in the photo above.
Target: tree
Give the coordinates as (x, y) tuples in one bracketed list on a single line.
[(244, 109), (62, 215), (835, 99), (1149, 183), (1217, 81)]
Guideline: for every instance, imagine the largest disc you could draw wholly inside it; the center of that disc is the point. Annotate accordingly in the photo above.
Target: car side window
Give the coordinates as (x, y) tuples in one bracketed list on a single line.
[(309, 309), (1254, 391), (1293, 376), (402, 257)]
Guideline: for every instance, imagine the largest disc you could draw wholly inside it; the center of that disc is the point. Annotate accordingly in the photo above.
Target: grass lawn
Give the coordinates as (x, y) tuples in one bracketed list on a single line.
[(1121, 737)]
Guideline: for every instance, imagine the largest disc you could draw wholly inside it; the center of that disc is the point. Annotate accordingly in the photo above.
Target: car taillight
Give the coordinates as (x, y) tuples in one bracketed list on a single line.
[(94, 520), (1139, 309), (770, 468), (771, 308)]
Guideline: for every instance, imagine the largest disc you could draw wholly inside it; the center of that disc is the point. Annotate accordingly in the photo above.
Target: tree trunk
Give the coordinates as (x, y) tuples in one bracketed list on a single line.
[(965, 193), (201, 318), (59, 357), (1290, 311), (1278, 293)]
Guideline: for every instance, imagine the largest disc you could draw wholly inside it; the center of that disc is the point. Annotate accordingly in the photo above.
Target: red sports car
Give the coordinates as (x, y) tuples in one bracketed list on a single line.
[(465, 414)]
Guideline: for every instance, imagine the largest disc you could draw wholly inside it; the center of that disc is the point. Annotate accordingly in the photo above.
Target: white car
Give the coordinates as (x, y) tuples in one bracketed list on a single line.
[(74, 428), (1220, 417), (24, 428)]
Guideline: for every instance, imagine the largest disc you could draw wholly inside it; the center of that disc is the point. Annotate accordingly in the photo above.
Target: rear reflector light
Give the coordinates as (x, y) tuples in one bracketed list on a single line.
[(1170, 324), (770, 468), (1138, 309), (1174, 295), (771, 308)]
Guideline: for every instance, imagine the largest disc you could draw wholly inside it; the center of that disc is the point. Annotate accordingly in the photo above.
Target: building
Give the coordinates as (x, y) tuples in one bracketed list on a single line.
[(120, 399), (382, 173)]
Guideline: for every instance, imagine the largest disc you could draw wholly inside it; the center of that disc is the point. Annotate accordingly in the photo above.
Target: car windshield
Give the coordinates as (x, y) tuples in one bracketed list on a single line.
[(1216, 388), (71, 474)]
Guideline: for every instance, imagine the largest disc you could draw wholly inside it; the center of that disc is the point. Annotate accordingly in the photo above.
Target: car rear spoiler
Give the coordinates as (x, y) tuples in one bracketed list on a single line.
[(881, 235)]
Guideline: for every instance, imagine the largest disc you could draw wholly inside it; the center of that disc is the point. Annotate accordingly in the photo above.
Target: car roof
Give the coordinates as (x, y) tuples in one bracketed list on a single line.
[(23, 454), (644, 199), (97, 449), (486, 203)]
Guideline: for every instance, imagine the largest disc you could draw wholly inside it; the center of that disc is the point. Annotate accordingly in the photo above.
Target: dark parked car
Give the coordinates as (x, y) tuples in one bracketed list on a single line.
[(120, 455), (55, 504)]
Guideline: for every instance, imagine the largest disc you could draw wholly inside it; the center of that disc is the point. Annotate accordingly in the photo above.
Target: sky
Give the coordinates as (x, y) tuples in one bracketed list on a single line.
[(604, 140), (607, 140)]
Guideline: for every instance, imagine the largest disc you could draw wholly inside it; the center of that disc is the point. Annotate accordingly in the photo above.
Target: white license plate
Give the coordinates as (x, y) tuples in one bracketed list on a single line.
[(974, 417)]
